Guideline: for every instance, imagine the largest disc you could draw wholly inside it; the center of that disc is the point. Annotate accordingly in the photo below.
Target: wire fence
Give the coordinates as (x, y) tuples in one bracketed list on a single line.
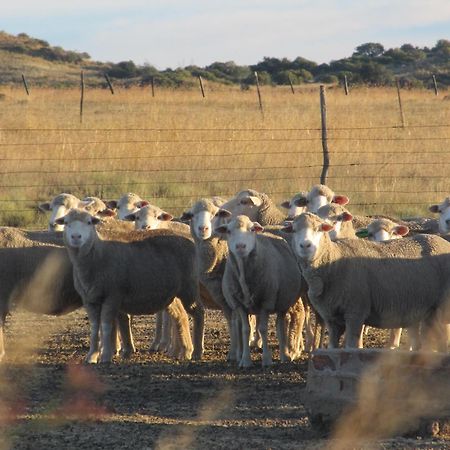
[(391, 169)]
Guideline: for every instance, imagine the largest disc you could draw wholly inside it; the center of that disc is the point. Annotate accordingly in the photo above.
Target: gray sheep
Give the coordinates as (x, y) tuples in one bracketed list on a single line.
[(140, 274), (353, 282), (261, 277)]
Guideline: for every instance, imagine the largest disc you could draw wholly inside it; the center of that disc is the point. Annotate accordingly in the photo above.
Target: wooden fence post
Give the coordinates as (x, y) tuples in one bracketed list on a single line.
[(292, 86), (152, 79), (259, 94), (345, 85), (109, 83), (436, 92), (81, 96), (25, 84), (201, 85), (402, 116), (326, 155)]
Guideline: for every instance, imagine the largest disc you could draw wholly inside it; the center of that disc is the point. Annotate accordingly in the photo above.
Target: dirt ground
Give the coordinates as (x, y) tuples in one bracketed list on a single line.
[(50, 400)]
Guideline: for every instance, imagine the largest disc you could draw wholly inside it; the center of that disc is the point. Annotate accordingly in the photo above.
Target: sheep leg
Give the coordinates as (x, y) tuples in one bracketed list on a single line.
[(245, 327), (197, 313), (282, 325), (107, 319), (2, 341), (353, 333), (164, 342), (335, 330), (297, 320), (93, 311), (263, 325), (394, 338), (414, 337), (236, 337), (180, 321), (158, 328), (124, 326), (255, 337), (309, 330)]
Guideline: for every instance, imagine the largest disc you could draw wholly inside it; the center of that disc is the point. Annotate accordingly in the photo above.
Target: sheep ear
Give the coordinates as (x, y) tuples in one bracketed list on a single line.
[(302, 201), (165, 217), (223, 213), (340, 200), (257, 228), (221, 229), (288, 228), (60, 220), (111, 204), (346, 217), (251, 200), (434, 208), (286, 204), (130, 217), (326, 227), (401, 230), (45, 207), (186, 216), (141, 204), (107, 213)]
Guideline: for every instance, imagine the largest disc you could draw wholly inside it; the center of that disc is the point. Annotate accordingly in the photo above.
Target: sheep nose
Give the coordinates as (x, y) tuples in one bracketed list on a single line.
[(241, 246), (203, 228), (75, 237), (306, 244)]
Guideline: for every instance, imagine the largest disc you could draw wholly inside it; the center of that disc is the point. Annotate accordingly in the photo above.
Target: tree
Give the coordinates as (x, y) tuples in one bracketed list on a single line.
[(369, 50)]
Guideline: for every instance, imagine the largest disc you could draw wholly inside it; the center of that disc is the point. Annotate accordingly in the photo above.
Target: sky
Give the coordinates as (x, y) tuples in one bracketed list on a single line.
[(177, 33)]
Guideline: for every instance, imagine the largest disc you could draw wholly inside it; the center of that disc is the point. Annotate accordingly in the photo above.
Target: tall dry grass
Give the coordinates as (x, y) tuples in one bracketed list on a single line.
[(177, 147)]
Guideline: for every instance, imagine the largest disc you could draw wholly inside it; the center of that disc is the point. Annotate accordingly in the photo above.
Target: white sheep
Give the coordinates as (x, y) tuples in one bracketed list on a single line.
[(353, 282), (443, 209), (133, 276), (261, 277)]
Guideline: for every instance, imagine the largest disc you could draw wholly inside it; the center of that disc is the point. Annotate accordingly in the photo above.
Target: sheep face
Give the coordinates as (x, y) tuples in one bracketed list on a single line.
[(127, 204), (148, 218), (245, 203), (240, 234), (295, 206), (205, 216), (444, 215), (382, 230), (334, 215), (321, 195), (308, 231), (59, 206), (78, 227)]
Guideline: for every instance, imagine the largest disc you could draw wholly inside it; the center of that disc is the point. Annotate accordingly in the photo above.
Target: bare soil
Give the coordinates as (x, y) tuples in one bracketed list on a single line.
[(50, 400)]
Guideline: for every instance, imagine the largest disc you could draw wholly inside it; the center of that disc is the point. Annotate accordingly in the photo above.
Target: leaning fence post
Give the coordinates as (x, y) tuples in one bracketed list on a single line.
[(292, 86), (109, 83), (323, 115), (81, 96), (402, 116), (201, 85), (25, 84), (436, 92), (345, 85), (152, 80), (259, 94)]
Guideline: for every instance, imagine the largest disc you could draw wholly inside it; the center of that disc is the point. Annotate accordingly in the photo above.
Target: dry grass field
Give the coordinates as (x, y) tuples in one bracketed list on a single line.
[(172, 149), (178, 146)]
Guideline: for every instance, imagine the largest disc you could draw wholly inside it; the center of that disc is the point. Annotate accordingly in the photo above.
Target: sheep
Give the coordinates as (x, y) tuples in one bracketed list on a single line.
[(382, 230), (59, 206), (341, 220), (261, 277), (127, 204), (211, 253), (38, 277), (443, 209), (353, 282), (150, 217), (294, 205), (137, 275), (255, 205)]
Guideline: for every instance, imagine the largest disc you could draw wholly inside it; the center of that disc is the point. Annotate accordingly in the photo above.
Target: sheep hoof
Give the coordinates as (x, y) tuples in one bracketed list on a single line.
[(92, 358), (245, 363)]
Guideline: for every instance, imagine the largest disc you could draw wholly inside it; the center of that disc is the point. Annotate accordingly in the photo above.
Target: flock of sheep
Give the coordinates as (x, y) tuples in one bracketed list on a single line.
[(243, 256)]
